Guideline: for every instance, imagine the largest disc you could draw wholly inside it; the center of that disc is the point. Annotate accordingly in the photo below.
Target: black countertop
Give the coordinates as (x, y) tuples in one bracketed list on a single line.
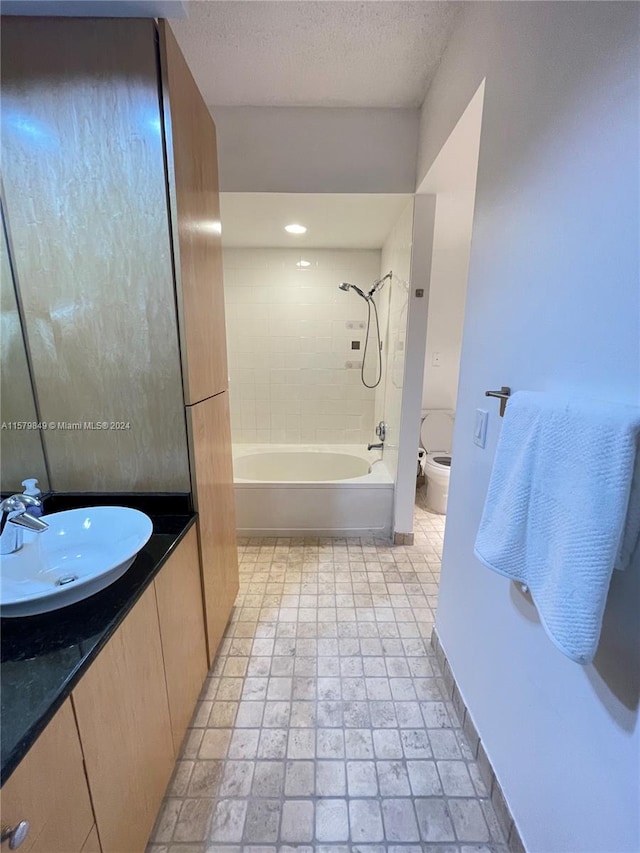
[(43, 657)]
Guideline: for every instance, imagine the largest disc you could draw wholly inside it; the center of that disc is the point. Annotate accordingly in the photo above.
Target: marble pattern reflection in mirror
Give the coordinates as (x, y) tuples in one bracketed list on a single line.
[(21, 450)]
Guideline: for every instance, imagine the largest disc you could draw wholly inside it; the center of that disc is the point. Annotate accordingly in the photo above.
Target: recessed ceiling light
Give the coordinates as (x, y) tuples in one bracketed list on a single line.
[(303, 264), (295, 229)]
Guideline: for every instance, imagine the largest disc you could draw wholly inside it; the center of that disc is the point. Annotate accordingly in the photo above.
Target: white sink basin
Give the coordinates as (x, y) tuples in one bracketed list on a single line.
[(82, 552)]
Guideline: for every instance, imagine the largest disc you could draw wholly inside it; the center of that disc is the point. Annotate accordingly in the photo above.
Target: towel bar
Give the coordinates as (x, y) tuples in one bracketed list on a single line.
[(503, 395)]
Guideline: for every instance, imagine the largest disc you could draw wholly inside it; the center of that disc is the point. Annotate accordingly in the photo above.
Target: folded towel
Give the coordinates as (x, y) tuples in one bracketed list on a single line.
[(563, 509)]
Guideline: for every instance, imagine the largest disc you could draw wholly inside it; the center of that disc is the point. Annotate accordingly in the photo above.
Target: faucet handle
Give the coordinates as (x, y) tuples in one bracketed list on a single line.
[(28, 500), (19, 502), (13, 522), (12, 504)]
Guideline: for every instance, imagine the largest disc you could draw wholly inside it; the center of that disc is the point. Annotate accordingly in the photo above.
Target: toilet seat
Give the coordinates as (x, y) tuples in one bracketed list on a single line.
[(436, 470), (436, 434), (438, 461)]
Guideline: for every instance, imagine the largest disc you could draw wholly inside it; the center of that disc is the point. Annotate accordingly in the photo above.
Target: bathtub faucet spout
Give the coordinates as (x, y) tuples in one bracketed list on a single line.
[(381, 432)]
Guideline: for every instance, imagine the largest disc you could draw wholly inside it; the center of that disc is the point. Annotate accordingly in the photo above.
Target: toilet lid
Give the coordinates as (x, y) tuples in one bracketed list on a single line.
[(436, 432)]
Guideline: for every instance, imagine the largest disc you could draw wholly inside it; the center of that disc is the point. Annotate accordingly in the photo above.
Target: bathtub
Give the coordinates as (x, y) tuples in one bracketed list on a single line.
[(304, 490)]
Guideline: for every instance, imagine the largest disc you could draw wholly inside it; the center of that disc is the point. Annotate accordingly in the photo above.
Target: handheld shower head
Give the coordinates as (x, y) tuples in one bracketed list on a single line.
[(344, 285)]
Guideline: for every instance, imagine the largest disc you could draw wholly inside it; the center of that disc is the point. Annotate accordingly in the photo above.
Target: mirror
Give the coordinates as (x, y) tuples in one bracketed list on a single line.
[(21, 449)]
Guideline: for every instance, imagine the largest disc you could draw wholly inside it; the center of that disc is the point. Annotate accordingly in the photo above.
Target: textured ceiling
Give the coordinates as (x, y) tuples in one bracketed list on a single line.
[(325, 54), (334, 221)]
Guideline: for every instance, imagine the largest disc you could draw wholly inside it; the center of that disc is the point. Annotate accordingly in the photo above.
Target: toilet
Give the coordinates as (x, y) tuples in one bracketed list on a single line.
[(436, 435)]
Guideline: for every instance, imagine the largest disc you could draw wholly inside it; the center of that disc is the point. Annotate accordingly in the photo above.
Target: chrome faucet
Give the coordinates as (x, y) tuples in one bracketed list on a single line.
[(381, 432), (16, 520)]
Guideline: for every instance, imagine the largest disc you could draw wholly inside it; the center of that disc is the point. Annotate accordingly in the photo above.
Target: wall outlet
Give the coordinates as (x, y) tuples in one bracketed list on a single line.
[(480, 428), (436, 359)]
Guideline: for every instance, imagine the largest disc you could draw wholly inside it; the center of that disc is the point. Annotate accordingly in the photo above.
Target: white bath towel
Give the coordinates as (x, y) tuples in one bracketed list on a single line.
[(563, 509)]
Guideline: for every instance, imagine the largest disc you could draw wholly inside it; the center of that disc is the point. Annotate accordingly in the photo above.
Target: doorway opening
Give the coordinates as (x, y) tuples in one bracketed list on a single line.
[(430, 392)]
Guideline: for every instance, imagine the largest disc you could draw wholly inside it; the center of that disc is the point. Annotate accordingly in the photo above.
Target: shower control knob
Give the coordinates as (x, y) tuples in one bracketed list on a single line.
[(381, 430)]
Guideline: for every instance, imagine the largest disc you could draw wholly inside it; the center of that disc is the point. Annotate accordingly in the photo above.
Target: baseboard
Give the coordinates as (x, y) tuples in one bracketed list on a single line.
[(314, 532), (403, 539), (504, 816)]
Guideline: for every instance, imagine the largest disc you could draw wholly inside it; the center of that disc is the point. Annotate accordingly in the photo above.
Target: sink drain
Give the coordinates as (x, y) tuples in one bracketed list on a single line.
[(67, 579)]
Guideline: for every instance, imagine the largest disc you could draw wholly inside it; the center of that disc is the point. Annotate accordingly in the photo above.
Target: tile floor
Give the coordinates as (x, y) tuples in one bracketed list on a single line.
[(323, 724)]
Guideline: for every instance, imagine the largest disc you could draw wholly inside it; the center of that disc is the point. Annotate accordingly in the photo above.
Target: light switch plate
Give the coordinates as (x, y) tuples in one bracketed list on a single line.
[(480, 428)]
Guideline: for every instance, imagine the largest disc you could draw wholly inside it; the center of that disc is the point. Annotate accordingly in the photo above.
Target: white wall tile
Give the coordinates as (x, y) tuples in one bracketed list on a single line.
[(288, 344)]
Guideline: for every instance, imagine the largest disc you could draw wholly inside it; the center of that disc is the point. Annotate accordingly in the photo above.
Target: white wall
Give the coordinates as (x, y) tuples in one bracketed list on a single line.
[(447, 294), (316, 149), (552, 304), (452, 177), (421, 261), (288, 343), (395, 257)]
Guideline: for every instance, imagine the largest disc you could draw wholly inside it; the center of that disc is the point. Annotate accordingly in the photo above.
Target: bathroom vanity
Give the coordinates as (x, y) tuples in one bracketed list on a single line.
[(97, 697)]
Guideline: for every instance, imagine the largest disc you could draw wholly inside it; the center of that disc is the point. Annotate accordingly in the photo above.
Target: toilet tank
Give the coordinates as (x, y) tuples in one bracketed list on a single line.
[(436, 433)]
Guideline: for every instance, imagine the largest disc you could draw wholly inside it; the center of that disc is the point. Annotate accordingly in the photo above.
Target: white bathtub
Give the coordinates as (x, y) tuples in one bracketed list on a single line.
[(303, 490)]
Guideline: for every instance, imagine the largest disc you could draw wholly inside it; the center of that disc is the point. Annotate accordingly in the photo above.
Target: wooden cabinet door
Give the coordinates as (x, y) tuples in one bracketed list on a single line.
[(123, 718), (49, 789), (212, 472), (184, 648), (192, 163)]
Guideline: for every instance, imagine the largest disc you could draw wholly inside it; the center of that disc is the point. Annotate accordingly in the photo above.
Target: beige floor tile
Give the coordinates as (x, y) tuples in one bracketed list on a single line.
[(323, 726)]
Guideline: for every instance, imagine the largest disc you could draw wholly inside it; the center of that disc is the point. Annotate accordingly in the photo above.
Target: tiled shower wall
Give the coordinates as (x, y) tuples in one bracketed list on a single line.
[(289, 344)]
